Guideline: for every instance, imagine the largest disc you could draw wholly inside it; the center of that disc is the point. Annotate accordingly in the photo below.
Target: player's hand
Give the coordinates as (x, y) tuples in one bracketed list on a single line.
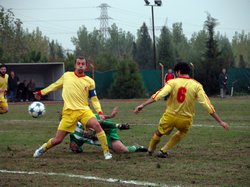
[(114, 112), (37, 95), (224, 125), (102, 117), (138, 109)]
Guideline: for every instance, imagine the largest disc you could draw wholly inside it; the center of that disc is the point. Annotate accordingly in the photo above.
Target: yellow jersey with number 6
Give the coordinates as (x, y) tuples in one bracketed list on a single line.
[(183, 92)]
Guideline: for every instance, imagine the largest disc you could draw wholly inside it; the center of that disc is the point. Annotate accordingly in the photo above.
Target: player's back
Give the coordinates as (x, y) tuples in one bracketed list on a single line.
[(182, 96)]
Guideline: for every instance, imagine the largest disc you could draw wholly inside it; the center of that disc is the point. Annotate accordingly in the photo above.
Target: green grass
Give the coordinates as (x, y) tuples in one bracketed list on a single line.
[(207, 156)]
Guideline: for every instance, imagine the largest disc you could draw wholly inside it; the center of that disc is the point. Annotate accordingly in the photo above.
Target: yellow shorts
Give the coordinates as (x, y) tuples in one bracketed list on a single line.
[(71, 117), (3, 103), (170, 121)]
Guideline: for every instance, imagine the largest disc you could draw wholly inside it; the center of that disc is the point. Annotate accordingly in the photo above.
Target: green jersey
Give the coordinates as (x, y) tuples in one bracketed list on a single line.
[(81, 136)]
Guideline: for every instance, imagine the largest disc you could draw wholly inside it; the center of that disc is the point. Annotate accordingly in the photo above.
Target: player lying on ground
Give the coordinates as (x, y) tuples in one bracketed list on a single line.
[(81, 136)]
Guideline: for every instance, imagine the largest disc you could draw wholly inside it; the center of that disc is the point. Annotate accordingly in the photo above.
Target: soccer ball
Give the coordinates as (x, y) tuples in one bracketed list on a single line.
[(36, 109)]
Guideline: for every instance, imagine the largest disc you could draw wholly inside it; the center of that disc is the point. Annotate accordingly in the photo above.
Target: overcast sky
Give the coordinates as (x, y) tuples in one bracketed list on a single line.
[(61, 19)]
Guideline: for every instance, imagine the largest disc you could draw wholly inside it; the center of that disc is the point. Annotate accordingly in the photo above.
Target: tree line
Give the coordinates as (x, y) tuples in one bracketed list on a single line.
[(206, 50)]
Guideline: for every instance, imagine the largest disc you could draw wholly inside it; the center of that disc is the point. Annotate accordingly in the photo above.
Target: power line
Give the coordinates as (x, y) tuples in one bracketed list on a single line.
[(49, 8)]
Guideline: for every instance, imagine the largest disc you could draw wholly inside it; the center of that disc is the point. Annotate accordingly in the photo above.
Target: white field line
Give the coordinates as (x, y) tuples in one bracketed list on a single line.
[(110, 180), (206, 126), (194, 125)]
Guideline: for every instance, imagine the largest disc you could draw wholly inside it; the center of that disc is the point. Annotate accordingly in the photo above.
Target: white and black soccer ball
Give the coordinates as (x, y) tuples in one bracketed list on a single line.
[(36, 109)]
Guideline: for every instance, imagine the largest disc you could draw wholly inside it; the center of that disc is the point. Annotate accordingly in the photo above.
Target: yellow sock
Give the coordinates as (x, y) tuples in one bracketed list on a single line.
[(48, 145), (173, 141), (153, 142), (103, 141)]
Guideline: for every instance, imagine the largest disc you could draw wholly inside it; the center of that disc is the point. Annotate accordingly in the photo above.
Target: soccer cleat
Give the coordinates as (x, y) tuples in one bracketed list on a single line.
[(141, 149), (39, 152), (161, 154), (150, 153), (123, 126), (107, 155)]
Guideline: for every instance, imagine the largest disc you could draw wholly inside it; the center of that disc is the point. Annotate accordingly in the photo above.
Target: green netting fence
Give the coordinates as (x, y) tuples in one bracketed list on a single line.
[(239, 81), (238, 78)]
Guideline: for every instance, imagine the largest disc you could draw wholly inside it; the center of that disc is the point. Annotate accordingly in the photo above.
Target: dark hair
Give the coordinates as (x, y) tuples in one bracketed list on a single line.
[(81, 58), (3, 65), (183, 67)]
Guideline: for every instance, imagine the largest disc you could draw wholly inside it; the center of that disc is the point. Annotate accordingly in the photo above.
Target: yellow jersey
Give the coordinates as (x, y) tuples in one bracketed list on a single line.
[(3, 85), (76, 90), (183, 92)]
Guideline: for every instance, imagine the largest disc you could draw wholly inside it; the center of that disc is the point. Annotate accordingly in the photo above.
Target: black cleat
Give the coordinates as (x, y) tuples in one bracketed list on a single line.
[(141, 149), (161, 154), (123, 126)]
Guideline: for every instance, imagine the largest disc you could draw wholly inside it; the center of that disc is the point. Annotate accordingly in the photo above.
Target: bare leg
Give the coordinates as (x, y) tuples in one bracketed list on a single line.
[(119, 147)]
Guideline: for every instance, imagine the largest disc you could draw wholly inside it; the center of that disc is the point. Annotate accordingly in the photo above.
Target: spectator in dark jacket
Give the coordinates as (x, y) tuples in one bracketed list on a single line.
[(13, 82)]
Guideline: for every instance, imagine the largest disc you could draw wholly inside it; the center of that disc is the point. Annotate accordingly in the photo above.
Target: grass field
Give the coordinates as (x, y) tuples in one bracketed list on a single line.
[(208, 156)]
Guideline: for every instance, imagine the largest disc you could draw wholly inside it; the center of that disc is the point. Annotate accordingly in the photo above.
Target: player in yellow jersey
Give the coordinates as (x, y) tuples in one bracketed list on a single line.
[(3, 89), (77, 88), (183, 92)]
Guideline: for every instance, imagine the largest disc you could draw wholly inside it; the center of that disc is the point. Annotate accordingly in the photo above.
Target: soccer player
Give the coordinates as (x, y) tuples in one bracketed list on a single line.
[(81, 136), (77, 88), (3, 89), (183, 91)]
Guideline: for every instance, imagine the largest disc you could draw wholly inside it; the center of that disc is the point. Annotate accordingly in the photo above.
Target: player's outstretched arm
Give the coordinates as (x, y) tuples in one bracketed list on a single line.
[(218, 119), (141, 106), (113, 113)]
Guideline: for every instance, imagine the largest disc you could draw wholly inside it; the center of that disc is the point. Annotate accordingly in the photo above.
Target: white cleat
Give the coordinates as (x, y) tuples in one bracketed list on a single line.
[(39, 152), (107, 155)]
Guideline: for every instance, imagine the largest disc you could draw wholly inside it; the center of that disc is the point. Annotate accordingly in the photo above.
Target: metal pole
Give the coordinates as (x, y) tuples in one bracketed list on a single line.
[(162, 74), (154, 50)]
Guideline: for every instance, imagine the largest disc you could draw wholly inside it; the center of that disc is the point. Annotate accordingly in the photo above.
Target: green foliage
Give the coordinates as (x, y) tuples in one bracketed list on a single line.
[(105, 61), (119, 43), (18, 45), (11, 36), (127, 81), (181, 47), (143, 51), (88, 44), (226, 58), (241, 49), (56, 52), (69, 62), (197, 49), (166, 49), (210, 64)]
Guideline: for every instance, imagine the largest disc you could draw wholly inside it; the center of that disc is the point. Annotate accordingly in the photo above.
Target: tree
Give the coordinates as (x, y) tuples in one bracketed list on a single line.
[(241, 48), (210, 63), (11, 36), (127, 83), (226, 58), (197, 45), (119, 43), (165, 48), (181, 48), (105, 61), (144, 51)]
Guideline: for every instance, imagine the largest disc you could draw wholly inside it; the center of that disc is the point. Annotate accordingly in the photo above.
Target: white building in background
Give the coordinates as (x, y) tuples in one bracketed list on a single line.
[(42, 73)]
